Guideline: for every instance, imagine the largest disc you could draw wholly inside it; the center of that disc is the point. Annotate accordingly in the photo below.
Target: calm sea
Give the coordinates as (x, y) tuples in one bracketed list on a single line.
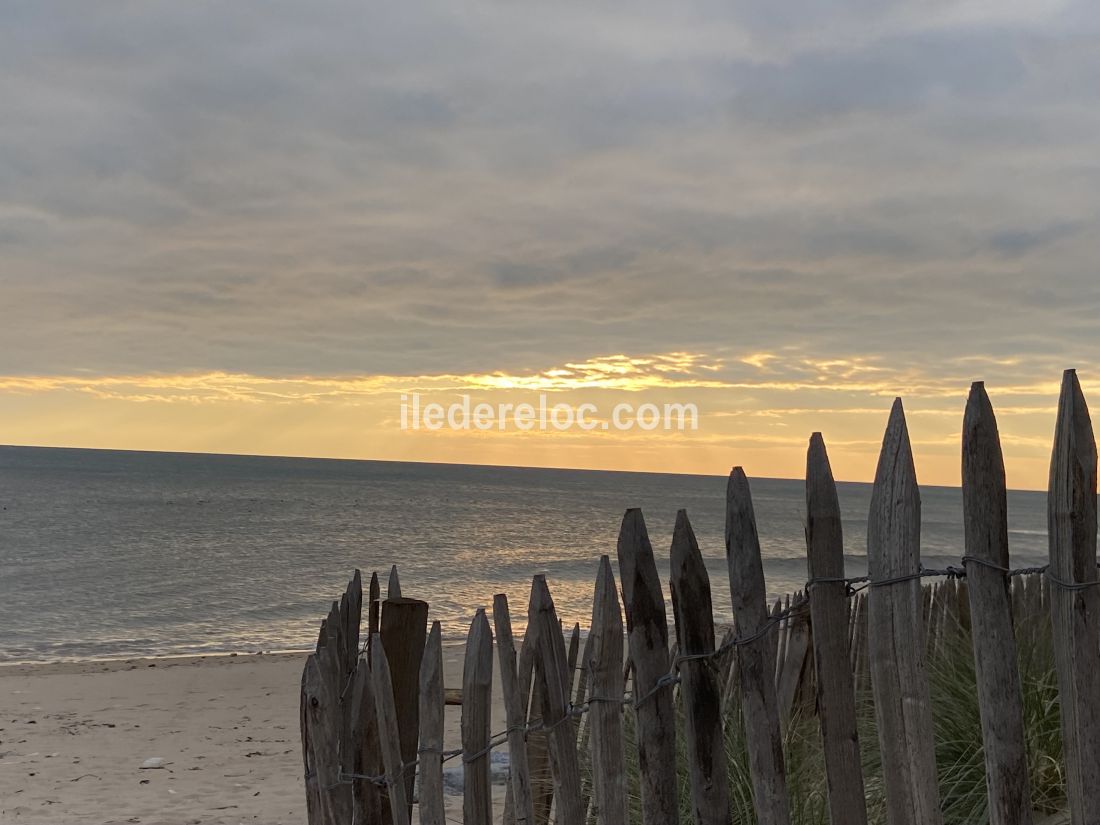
[(110, 553)]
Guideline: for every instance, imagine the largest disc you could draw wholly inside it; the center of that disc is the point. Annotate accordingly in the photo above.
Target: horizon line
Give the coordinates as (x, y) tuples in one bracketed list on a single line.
[(460, 464)]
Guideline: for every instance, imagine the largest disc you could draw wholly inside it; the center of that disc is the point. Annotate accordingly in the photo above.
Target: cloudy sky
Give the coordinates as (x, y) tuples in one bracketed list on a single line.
[(250, 226)]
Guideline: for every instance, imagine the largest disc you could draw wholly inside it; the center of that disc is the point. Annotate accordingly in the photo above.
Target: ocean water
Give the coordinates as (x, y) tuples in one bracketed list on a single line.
[(109, 554)]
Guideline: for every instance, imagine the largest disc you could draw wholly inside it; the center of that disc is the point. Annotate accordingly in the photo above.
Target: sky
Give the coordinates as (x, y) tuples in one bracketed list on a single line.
[(250, 227)]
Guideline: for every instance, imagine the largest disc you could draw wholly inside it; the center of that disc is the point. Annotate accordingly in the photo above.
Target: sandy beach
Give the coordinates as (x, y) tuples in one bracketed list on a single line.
[(74, 736)]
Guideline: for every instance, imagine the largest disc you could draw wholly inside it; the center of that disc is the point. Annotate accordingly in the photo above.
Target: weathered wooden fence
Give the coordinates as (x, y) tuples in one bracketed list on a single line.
[(582, 725)]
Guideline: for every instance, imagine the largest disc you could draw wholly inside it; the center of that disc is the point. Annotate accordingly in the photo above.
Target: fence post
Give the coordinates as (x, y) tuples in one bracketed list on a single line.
[(829, 611), (605, 664), (538, 756), (389, 737), (1075, 610), (693, 612), (477, 684), (985, 521), (404, 626), (538, 744), (362, 754), (647, 632), (516, 713), (896, 635), (552, 669), (314, 811), (756, 660), (431, 730)]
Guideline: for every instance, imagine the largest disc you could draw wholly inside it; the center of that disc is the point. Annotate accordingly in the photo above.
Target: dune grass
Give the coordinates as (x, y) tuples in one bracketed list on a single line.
[(959, 753)]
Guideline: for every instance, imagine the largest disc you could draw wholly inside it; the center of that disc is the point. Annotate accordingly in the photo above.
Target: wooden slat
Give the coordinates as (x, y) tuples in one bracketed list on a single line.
[(374, 608), (477, 684), (353, 618), (1075, 613), (538, 755), (573, 652), (796, 649), (581, 724), (782, 634), (605, 665), (939, 614), (404, 627), (706, 746), (314, 812), (896, 636), (362, 752), (985, 520), (552, 671), (519, 778), (323, 711), (538, 747), (580, 691), (756, 660), (393, 589), (829, 610), (860, 669), (647, 633), (389, 737), (572, 655), (354, 753), (431, 730)]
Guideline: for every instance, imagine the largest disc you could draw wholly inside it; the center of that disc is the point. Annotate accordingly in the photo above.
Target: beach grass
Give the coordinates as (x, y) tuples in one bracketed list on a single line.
[(958, 736)]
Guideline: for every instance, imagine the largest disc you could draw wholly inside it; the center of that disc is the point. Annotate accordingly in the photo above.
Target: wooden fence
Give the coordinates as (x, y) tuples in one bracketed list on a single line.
[(597, 732)]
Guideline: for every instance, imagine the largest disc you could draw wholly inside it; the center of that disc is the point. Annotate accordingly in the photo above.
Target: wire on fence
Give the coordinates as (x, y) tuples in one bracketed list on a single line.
[(673, 676)]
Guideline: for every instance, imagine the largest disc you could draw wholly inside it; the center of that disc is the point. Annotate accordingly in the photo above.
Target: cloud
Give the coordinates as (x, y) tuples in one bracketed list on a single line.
[(273, 190)]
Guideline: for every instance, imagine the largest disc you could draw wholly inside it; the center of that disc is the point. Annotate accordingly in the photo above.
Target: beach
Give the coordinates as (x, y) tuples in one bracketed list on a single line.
[(74, 736)]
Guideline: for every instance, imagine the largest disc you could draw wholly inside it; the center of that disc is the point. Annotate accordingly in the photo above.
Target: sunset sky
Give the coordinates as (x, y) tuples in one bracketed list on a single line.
[(249, 227)]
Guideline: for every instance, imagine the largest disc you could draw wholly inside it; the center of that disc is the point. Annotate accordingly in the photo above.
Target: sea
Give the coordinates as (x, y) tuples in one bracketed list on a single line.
[(110, 554)]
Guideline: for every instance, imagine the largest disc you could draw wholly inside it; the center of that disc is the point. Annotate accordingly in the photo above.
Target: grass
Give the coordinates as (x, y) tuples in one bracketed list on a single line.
[(958, 737)]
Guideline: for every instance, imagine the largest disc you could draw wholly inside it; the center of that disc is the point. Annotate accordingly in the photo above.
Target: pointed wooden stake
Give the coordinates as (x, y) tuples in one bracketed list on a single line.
[(896, 635), (985, 519), (647, 631), (431, 730), (606, 716), (514, 707), (477, 686), (553, 676), (694, 612), (1075, 613), (829, 614), (756, 660), (389, 737)]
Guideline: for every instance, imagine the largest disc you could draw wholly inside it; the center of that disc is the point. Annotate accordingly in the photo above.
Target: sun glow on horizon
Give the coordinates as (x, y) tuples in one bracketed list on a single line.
[(756, 409)]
